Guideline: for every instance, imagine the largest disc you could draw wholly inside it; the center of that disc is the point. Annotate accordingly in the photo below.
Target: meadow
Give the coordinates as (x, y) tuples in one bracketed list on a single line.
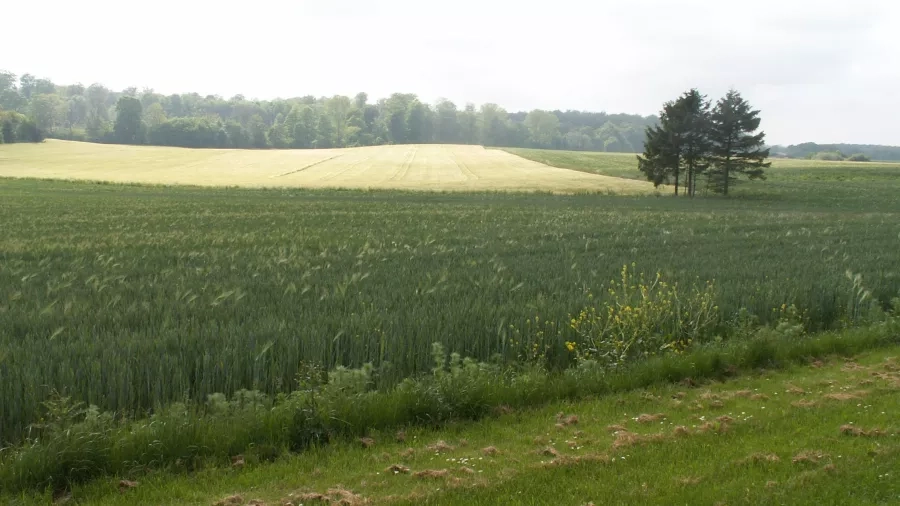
[(412, 167), (133, 297)]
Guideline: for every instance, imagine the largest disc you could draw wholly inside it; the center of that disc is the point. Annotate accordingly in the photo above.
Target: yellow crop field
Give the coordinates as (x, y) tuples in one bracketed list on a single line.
[(412, 167)]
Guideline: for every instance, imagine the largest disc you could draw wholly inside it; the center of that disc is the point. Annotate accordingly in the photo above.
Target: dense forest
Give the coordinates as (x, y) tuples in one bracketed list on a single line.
[(98, 114)]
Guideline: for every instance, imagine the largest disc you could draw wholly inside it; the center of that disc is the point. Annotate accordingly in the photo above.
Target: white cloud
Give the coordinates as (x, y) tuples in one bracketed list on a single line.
[(819, 70)]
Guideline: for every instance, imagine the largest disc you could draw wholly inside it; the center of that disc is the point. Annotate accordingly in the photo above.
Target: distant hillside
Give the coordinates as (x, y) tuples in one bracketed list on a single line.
[(811, 149)]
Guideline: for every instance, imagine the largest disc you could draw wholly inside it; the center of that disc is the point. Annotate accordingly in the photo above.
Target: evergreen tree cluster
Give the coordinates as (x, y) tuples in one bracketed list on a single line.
[(697, 144)]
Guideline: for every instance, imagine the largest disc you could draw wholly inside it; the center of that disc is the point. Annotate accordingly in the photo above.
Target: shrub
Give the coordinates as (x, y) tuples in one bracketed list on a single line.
[(75, 134), (828, 156), (29, 132)]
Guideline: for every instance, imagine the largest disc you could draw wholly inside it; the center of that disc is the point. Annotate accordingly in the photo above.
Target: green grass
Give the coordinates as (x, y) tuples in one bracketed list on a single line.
[(132, 297), (754, 456), (606, 164), (846, 185)]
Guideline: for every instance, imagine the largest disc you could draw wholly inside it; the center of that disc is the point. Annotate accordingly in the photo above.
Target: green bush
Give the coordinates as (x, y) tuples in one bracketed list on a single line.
[(828, 156), (76, 134)]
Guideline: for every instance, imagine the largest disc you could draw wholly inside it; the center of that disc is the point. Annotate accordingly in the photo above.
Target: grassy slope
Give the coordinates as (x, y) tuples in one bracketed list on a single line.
[(789, 179), (607, 164), (625, 164), (782, 442)]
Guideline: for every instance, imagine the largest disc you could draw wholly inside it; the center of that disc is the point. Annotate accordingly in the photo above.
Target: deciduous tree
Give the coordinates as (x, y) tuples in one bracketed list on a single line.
[(492, 125), (417, 123), (154, 115), (446, 122), (128, 128), (324, 132), (543, 128), (45, 111), (304, 130), (338, 109), (258, 132)]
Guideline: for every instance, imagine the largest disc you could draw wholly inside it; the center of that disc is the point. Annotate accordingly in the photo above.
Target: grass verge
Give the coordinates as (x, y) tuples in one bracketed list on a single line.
[(820, 433), (185, 438)]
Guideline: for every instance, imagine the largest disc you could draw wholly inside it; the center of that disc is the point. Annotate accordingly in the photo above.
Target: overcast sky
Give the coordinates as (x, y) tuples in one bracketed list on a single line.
[(819, 70)]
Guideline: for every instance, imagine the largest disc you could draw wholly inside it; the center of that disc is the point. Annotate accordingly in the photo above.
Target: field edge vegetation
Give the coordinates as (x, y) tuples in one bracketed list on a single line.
[(78, 443)]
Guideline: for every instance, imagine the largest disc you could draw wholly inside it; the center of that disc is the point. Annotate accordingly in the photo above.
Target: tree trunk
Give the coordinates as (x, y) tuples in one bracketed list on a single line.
[(690, 177), (726, 182), (676, 181), (727, 172)]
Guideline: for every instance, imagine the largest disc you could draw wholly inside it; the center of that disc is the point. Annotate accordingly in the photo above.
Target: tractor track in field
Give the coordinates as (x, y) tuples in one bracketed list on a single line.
[(404, 169), (349, 167), (301, 169), (470, 175)]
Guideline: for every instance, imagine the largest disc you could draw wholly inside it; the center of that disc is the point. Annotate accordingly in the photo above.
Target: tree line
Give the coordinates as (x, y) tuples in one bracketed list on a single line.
[(695, 143), (96, 113), (838, 152)]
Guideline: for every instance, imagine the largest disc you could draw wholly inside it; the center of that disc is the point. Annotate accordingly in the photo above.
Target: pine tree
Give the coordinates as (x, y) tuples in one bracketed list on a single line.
[(659, 161), (680, 144), (691, 117), (736, 149)]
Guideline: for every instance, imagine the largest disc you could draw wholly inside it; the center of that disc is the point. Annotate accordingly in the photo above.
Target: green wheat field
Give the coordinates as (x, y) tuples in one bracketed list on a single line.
[(131, 297)]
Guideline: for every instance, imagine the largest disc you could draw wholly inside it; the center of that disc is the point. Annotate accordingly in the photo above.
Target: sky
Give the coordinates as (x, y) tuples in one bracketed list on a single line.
[(818, 70)]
